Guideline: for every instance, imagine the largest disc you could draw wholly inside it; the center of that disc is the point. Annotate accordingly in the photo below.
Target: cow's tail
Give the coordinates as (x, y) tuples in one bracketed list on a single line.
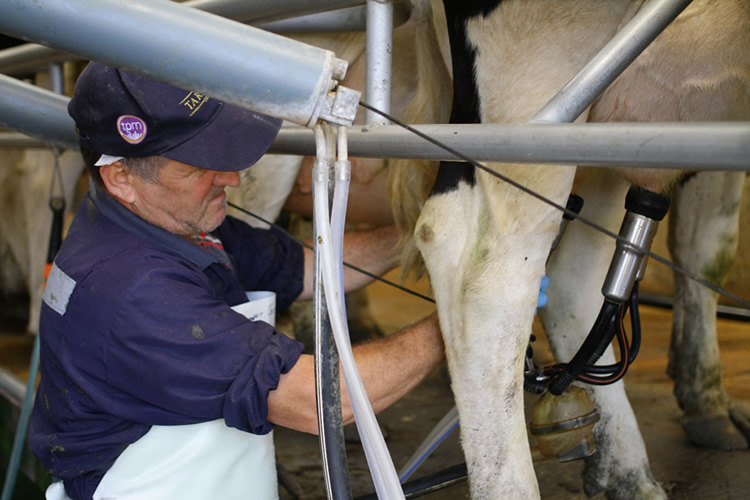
[(410, 181)]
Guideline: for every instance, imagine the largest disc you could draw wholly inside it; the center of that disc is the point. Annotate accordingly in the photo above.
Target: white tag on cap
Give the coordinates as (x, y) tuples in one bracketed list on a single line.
[(107, 160)]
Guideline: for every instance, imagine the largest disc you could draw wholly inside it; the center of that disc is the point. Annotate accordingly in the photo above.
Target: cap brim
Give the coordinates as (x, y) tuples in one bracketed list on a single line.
[(235, 139)]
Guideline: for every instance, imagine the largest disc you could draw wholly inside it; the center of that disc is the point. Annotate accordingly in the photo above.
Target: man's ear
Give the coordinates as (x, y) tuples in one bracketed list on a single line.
[(118, 181)]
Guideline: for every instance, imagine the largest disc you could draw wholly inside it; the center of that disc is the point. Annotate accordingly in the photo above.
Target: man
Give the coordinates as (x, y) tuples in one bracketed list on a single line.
[(152, 386)]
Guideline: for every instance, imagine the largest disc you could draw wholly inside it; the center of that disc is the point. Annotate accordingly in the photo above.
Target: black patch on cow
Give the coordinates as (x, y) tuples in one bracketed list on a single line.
[(467, 9), (450, 174), (687, 178), (465, 105)]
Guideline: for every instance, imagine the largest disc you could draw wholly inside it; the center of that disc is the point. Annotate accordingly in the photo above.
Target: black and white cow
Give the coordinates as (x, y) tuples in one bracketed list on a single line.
[(486, 244)]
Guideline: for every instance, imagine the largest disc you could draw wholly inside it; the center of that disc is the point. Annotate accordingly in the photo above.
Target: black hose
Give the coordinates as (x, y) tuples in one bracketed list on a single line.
[(328, 389), (635, 323), (591, 350), (531, 382), (57, 205), (609, 374), (430, 483), (532, 385), (332, 431)]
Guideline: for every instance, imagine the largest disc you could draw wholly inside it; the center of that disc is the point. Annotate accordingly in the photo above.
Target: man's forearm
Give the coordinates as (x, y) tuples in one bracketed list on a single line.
[(372, 250), (389, 369), (393, 366)]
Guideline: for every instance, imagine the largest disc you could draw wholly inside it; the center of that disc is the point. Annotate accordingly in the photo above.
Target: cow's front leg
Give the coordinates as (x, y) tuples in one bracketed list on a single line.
[(485, 246)]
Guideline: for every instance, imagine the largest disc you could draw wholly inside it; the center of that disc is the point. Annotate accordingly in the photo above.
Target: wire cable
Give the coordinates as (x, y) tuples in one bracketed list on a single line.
[(350, 266), (566, 211)]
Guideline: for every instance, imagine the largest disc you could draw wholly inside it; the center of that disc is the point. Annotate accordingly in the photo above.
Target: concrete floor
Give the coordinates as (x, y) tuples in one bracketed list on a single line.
[(686, 472)]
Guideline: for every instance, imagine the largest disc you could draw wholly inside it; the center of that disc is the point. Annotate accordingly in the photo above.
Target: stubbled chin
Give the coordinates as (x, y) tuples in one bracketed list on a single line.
[(217, 217)]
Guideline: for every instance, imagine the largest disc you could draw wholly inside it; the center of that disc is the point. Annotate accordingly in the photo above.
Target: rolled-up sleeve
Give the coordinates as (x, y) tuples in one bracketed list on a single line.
[(246, 401), (177, 355)]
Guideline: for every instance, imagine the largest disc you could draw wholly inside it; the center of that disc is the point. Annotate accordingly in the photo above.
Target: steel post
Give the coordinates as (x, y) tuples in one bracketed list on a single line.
[(379, 58)]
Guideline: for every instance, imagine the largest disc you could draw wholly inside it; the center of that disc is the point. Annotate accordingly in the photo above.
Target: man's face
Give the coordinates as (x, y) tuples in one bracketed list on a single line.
[(186, 201)]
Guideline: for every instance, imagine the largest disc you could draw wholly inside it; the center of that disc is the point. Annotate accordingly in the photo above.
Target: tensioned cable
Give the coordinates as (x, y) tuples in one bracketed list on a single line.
[(350, 266), (566, 211)]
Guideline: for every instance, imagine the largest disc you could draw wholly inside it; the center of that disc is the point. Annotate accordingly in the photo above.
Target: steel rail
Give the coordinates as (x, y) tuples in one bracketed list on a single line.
[(674, 145), (189, 48), (31, 57), (682, 146), (41, 115)]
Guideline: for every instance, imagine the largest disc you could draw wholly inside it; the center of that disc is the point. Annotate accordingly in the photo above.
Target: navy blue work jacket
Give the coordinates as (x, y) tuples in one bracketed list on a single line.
[(137, 330)]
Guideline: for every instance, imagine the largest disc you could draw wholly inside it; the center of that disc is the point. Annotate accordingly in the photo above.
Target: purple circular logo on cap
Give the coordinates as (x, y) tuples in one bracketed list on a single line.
[(131, 128)]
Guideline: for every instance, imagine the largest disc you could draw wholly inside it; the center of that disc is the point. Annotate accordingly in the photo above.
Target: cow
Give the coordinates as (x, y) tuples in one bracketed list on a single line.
[(485, 244), (28, 179)]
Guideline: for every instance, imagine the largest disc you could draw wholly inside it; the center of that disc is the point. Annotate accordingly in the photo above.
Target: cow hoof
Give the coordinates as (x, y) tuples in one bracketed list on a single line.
[(740, 415), (717, 432), (623, 485), (629, 488)]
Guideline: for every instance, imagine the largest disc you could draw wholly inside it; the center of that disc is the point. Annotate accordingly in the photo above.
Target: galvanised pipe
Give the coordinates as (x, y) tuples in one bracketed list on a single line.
[(349, 19), (38, 112), (246, 11), (30, 58), (33, 57), (12, 388), (653, 17), (683, 145), (379, 63), (686, 145), (18, 140), (191, 49)]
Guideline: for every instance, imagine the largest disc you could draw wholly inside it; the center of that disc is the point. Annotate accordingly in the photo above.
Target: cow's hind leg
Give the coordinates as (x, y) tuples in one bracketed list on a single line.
[(577, 269), (703, 238)]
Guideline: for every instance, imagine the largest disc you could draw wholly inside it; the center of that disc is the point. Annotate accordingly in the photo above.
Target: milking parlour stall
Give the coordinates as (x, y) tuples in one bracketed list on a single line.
[(535, 157)]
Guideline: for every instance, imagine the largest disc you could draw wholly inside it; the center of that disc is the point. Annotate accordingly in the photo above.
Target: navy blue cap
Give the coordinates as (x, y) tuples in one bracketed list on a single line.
[(122, 114)]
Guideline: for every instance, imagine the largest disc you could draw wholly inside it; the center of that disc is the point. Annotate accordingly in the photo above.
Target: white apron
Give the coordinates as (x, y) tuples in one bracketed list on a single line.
[(195, 462)]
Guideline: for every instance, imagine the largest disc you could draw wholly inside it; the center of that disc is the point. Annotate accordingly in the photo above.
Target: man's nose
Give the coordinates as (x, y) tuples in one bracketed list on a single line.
[(227, 179)]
